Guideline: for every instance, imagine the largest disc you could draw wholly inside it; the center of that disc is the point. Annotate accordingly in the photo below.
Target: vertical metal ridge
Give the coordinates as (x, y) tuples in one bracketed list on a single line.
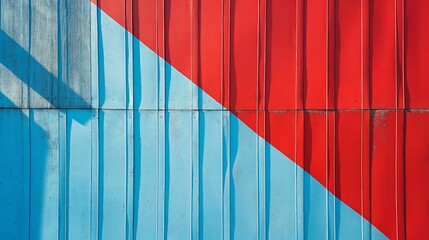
[(226, 51), (97, 81), (222, 122), (334, 169), (99, 131), (63, 179), (400, 102), (124, 116), (126, 102), (364, 34), (160, 47), (401, 50), (400, 173), (30, 25), (94, 174), (129, 54), (299, 123), (129, 114), (62, 53), (226, 119), (26, 183), (195, 145), (99, 167), (30, 121), (330, 104), (226, 116), (327, 165), (195, 170), (330, 52), (365, 62), (261, 120), (366, 104), (26, 158), (94, 56), (329, 202), (400, 118), (130, 174), (299, 55)]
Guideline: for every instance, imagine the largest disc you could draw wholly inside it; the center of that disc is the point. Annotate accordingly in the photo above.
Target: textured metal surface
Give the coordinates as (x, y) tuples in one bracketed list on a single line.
[(243, 119)]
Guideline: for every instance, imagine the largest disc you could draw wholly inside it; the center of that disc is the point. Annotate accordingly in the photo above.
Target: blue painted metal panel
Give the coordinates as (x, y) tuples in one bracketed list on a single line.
[(178, 174), (14, 173), (211, 175), (281, 206), (44, 174), (145, 183), (113, 174), (244, 186), (111, 64), (77, 173)]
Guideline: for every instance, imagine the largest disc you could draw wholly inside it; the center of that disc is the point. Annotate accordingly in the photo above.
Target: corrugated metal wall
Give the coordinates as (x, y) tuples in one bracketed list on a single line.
[(242, 119)]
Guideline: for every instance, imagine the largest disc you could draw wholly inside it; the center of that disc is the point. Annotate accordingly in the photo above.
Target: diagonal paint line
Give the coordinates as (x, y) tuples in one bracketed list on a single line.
[(307, 175)]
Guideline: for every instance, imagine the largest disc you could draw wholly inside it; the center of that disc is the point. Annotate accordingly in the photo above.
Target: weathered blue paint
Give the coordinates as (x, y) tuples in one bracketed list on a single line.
[(146, 163)]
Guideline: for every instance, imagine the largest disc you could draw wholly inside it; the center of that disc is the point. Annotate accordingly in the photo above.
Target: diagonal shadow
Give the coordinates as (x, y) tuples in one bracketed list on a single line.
[(23, 168), (12, 50), (13, 187)]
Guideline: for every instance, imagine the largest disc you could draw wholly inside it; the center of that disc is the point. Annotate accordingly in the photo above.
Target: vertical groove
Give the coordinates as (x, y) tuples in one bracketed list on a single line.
[(363, 9), (26, 158), (334, 171), (100, 128), (94, 56), (260, 121), (94, 175), (222, 77), (62, 212), (257, 150), (129, 10), (400, 121), (327, 130), (160, 42), (366, 120), (226, 117), (130, 175), (129, 58), (30, 121), (330, 71), (29, 51), (62, 77), (62, 119), (100, 177), (128, 155), (299, 123), (195, 169), (95, 21)]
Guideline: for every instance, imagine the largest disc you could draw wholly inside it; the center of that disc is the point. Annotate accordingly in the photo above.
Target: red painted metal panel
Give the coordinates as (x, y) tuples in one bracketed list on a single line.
[(281, 58), (383, 55), (416, 180), (143, 18), (210, 49), (348, 160), (348, 54), (244, 55), (416, 53), (178, 35), (383, 171), (315, 69), (315, 151)]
